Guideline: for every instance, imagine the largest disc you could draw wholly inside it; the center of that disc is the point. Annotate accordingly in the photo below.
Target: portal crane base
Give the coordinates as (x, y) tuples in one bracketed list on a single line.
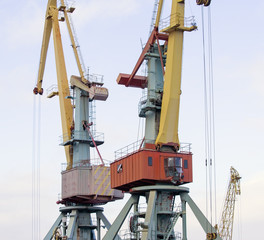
[(160, 217), (80, 222)]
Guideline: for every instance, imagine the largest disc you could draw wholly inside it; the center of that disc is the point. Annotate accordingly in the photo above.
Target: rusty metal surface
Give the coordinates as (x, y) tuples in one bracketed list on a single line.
[(137, 81), (146, 167)]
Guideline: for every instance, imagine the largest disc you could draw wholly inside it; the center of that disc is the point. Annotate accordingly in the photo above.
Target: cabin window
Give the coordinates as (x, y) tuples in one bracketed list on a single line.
[(173, 168), (119, 168), (150, 161), (185, 164)]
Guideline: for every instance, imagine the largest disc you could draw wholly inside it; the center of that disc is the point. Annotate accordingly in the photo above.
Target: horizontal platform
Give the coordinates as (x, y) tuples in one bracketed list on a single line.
[(82, 137), (89, 141), (160, 187), (137, 81)]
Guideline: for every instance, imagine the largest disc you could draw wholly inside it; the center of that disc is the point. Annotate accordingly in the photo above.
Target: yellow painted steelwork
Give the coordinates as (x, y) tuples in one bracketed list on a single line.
[(169, 119), (225, 229), (73, 43), (52, 23), (102, 181), (159, 13), (66, 108)]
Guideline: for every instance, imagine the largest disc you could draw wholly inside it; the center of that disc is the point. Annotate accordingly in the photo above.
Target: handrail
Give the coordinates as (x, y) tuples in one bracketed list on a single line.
[(87, 164), (185, 21), (136, 146)]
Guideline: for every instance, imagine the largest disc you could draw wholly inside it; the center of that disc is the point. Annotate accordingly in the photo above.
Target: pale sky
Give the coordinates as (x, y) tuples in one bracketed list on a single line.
[(109, 32)]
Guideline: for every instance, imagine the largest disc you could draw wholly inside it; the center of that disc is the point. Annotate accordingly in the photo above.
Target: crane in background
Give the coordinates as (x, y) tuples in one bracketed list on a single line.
[(155, 167), (225, 229), (86, 181)]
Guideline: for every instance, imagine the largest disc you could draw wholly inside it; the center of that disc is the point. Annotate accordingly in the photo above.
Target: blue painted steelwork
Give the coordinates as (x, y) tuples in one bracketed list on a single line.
[(150, 105)]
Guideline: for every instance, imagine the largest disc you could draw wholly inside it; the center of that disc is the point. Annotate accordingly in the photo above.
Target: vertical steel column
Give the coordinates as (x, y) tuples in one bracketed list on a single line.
[(81, 151), (72, 223), (106, 223), (64, 224), (150, 222), (184, 223), (98, 227), (155, 87)]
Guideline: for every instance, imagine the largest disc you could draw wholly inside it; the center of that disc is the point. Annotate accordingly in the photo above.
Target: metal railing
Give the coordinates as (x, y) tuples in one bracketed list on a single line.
[(54, 88), (177, 19), (87, 164), (185, 148), (135, 146), (147, 101), (96, 78), (129, 149)]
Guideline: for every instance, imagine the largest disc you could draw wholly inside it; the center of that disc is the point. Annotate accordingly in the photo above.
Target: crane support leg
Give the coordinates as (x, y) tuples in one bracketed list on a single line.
[(161, 215), (112, 232), (206, 225), (106, 223), (184, 223), (49, 235), (148, 224)]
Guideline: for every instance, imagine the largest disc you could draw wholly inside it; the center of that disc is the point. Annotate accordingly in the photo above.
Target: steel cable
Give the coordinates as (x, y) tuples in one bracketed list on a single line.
[(210, 163), (35, 234)]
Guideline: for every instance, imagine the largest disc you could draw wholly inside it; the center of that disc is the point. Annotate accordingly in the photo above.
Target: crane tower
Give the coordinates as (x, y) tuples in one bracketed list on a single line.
[(156, 167), (85, 181)]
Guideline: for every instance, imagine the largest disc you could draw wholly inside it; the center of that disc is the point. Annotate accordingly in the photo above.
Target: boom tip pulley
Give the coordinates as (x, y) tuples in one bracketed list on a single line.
[(37, 91), (206, 3)]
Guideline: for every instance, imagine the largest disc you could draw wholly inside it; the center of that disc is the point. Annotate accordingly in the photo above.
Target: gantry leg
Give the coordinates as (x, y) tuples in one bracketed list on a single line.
[(184, 223), (107, 224), (206, 225), (148, 224), (112, 232), (54, 226)]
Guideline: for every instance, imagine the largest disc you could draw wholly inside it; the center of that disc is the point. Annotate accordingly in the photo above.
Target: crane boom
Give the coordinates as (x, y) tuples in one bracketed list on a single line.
[(66, 110), (167, 134), (74, 45), (44, 47), (94, 92), (169, 118), (226, 224), (159, 13)]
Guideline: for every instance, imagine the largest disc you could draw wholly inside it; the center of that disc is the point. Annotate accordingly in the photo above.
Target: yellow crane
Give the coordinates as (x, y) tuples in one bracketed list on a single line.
[(154, 171), (95, 92), (85, 183), (225, 229)]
